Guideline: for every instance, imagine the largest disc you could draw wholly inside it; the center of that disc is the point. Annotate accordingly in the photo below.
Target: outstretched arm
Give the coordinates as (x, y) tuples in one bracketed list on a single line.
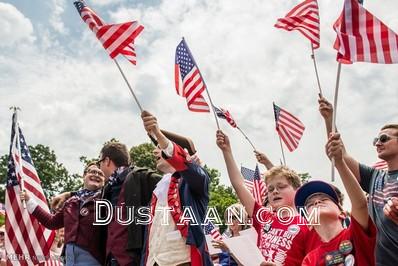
[(234, 174), (326, 110), (334, 148)]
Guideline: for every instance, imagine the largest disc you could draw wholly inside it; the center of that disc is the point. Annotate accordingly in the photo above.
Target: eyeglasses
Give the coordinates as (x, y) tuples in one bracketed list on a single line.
[(99, 161), (383, 138), (95, 172)]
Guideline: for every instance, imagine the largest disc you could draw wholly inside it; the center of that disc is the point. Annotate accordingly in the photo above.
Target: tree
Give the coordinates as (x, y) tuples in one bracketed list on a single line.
[(142, 155), (304, 177), (221, 196), (54, 177)]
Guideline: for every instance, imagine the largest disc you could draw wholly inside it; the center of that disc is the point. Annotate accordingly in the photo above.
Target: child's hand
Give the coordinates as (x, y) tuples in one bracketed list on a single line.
[(334, 147), (325, 108)]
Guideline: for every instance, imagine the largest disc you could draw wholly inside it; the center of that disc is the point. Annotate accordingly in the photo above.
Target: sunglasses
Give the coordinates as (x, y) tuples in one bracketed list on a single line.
[(383, 138)]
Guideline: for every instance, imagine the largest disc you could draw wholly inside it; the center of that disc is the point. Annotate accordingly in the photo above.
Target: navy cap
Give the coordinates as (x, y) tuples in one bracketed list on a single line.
[(312, 187)]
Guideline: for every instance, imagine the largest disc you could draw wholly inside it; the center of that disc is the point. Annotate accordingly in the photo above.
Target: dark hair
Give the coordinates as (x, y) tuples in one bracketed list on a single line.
[(117, 153), (88, 166)]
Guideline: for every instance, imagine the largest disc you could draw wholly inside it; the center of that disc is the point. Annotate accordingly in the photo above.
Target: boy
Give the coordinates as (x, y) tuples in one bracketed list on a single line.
[(340, 246), (275, 236)]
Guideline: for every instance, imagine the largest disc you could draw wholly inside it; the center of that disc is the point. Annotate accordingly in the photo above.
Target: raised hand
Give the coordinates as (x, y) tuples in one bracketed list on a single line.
[(223, 141)]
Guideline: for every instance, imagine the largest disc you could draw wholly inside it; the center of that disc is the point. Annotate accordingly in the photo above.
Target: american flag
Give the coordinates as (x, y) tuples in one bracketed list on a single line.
[(224, 114), (361, 37), (289, 127), (210, 229), (115, 38), (192, 81), (381, 165), (255, 183), (305, 18), (26, 241)]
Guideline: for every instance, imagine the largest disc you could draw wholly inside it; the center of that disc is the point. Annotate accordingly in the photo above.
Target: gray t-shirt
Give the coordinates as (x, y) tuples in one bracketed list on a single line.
[(382, 185)]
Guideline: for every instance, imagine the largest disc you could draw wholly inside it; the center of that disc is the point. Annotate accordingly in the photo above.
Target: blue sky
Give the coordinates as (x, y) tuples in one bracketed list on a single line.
[(73, 99)]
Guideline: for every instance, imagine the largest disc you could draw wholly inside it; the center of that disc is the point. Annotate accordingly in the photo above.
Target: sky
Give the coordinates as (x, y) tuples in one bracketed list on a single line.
[(73, 98)]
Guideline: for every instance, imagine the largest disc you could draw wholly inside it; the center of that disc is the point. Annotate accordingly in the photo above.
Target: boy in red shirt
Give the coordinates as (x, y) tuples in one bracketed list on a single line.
[(278, 225), (340, 246)]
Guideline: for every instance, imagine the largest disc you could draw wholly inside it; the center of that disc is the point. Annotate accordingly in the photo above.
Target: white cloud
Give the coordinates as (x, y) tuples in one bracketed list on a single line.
[(14, 26), (58, 9), (82, 101)]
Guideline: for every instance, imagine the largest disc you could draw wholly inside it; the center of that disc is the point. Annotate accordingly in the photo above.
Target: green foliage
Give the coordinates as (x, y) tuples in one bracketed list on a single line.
[(221, 196), (142, 155), (305, 177), (54, 177)]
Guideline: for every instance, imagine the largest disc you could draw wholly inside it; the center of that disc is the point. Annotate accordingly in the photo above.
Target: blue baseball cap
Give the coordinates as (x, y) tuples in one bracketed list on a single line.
[(312, 187)]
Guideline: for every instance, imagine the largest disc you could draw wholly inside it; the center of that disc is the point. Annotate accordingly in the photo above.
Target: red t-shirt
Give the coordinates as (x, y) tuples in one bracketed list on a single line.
[(275, 236), (301, 248), (352, 246)]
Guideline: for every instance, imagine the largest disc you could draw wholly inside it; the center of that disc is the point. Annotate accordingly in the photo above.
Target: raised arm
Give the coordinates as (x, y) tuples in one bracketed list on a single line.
[(326, 111), (359, 211), (50, 221), (263, 159), (234, 174)]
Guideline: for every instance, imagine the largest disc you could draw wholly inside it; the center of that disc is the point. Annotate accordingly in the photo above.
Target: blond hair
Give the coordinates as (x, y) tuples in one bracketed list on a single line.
[(283, 171)]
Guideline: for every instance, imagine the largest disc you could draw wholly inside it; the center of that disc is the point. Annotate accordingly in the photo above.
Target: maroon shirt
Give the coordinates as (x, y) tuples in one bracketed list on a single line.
[(78, 223)]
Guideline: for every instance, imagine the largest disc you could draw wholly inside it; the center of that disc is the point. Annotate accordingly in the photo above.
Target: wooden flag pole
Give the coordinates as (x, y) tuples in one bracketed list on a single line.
[(316, 69), (207, 91), (128, 85), (336, 94), (283, 153), (254, 148)]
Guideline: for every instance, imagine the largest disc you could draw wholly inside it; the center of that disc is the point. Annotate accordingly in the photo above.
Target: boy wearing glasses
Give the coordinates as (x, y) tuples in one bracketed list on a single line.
[(382, 186), (340, 246), (82, 238)]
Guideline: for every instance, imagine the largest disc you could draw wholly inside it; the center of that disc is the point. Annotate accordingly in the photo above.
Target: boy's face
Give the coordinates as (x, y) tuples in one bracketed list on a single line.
[(94, 178), (280, 192), (326, 206), (388, 149)]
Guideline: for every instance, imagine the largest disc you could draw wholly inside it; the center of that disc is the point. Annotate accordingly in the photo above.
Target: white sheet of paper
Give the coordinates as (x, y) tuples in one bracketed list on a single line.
[(251, 233), (212, 250), (244, 250)]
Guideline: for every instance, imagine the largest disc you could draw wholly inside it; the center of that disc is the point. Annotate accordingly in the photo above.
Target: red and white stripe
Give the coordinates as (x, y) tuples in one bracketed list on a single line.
[(192, 89), (25, 236), (381, 165), (115, 38), (290, 129), (305, 18), (361, 37)]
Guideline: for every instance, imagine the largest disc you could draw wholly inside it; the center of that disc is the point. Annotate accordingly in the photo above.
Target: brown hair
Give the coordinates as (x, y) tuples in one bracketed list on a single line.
[(393, 126), (117, 153), (283, 171), (88, 166)]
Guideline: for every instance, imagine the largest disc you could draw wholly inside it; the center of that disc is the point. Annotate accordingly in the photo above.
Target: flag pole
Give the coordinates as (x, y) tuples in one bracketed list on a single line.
[(128, 85), (336, 94), (207, 91), (283, 153), (254, 148), (16, 128), (316, 69)]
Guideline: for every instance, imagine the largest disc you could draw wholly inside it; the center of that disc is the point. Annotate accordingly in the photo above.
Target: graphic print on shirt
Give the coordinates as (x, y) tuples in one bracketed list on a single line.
[(276, 242), (385, 188)]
